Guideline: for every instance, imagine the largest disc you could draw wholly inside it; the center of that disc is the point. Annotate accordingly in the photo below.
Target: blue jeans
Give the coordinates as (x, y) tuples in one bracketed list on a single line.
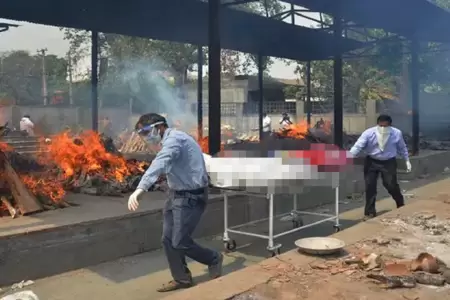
[(181, 214)]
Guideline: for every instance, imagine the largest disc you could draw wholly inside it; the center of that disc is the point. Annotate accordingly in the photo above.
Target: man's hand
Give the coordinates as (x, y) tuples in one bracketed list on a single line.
[(408, 166), (133, 201)]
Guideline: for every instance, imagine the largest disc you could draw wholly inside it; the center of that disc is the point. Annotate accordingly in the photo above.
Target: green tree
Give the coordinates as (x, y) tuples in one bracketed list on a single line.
[(371, 75), (21, 76)]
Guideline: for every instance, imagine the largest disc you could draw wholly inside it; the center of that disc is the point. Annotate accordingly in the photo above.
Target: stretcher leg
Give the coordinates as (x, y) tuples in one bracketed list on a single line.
[(229, 244), (337, 225), (297, 220), (271, 247)]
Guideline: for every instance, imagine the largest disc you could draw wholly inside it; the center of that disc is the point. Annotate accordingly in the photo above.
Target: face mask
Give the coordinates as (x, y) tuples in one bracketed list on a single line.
[(383, 130), (154, 137)]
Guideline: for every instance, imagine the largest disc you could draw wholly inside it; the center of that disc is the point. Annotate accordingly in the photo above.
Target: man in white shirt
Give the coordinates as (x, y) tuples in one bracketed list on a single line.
[(382, 144), (27, 125), (267, 126)]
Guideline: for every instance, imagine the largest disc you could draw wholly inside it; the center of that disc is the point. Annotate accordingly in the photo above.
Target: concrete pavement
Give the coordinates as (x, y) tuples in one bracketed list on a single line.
[(137, 277)]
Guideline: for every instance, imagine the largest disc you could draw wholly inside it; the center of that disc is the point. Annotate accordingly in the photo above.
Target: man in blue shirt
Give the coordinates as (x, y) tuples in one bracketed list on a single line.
[(181, 160), (382, 144)]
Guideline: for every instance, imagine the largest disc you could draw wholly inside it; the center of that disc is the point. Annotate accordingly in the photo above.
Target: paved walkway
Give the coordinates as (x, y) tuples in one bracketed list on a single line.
[(137, 277)]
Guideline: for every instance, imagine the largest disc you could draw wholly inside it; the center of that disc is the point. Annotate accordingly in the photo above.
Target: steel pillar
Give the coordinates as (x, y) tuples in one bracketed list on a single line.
[(308, 92), (214, 69), (94, 79), (338, 91), (261, 96), (415, 48), (200, 92)]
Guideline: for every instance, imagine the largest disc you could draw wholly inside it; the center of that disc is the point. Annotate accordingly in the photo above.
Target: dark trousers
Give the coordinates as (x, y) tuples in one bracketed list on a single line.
[(266, 135), (388, 171), (181, 214)]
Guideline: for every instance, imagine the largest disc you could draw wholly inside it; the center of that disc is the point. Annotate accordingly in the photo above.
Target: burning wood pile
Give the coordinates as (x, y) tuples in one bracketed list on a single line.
[(87, 163), (130, 142)]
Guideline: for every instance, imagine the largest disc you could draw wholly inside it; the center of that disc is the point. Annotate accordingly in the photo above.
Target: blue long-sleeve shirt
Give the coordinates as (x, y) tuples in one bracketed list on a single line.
[(368, 142), (181, 159)]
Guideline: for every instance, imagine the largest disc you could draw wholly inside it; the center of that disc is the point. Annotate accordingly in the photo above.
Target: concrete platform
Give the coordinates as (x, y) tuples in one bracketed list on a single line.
[(101, 229)]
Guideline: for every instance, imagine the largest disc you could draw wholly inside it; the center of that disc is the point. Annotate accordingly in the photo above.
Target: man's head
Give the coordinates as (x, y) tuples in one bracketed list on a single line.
[(151, 126), (27, 116), (384, 121), (264, 115)]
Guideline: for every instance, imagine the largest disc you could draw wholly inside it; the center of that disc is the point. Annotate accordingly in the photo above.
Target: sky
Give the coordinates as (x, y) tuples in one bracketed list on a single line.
[(31, 37)]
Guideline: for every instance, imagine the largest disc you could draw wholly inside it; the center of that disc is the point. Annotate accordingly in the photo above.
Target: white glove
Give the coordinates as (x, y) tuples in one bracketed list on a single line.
[(133, 201), (352, 154), (408, 166), (207, 159)]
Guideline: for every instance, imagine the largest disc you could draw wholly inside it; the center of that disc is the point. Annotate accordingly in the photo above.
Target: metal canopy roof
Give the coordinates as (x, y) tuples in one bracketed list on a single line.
[(180, 21), (404, 17)]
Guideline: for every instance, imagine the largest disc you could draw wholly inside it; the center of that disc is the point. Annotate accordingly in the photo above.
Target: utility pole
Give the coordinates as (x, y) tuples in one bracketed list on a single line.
[(69, 63), (44, 77)]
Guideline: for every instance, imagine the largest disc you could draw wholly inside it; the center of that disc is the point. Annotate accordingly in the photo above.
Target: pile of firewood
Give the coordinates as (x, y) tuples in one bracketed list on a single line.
[(133, 143), (28, 186), (15, 196)]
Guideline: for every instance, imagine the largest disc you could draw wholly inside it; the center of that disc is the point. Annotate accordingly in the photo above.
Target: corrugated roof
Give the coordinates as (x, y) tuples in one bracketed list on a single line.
[(184, 21), (404, 17)]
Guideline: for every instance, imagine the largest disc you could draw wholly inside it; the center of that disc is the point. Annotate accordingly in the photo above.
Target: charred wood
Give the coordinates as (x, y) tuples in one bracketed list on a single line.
[(25, 200)]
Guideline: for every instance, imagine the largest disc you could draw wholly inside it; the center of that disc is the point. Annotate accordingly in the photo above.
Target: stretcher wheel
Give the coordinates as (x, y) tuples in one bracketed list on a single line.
[(230, 245), (337, 228), (276, 252), (297, 223)]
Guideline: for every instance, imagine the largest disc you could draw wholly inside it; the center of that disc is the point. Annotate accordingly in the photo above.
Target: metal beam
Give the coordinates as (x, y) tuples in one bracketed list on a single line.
[(338, 90), (94, 79), (214, 69), (415, 48), (200, 92), (238, 2), (261, 96), (6, 26)]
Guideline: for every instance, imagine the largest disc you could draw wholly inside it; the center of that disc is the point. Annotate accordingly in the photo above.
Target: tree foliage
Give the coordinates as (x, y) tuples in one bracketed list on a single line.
[(21, 76)]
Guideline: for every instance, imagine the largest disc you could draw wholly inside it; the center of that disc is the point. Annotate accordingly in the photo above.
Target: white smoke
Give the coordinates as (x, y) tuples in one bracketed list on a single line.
[(143, 77)]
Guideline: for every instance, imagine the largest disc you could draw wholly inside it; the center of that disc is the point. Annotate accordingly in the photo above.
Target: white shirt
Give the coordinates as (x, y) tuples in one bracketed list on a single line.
[(267, 124), (27, 125)]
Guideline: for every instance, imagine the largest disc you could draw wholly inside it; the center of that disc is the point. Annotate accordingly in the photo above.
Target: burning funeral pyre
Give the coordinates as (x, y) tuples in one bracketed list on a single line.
[(87, 163), (94, 164)]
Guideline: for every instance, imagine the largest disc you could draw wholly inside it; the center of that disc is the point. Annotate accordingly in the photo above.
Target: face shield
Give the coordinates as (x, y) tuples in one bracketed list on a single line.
[(150, 133)]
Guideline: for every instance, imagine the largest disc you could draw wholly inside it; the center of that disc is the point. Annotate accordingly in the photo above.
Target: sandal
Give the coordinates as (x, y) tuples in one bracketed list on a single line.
[(173, 286)]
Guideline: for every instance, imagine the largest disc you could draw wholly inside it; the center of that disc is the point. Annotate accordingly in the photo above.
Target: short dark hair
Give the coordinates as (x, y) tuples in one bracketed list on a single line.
[(149, 119), (27, 116), (384, 118)]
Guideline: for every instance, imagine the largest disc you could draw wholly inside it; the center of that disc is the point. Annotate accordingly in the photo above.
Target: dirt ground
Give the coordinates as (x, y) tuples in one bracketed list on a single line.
[(401, 239)]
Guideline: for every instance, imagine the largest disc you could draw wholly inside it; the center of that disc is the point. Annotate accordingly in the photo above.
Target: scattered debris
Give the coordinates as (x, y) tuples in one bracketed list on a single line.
[(429, 279), (425, 262), (397, 269), (394, 281), (25, 295), (381, 242), (22, 284)]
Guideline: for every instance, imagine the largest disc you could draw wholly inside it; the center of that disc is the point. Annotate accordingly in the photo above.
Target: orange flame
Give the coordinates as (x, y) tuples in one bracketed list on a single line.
[(85, 154), (300, 130), (204, 144)]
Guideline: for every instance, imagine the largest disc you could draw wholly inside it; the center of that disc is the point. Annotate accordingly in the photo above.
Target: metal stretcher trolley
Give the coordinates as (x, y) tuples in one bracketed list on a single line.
[(281, 186)]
